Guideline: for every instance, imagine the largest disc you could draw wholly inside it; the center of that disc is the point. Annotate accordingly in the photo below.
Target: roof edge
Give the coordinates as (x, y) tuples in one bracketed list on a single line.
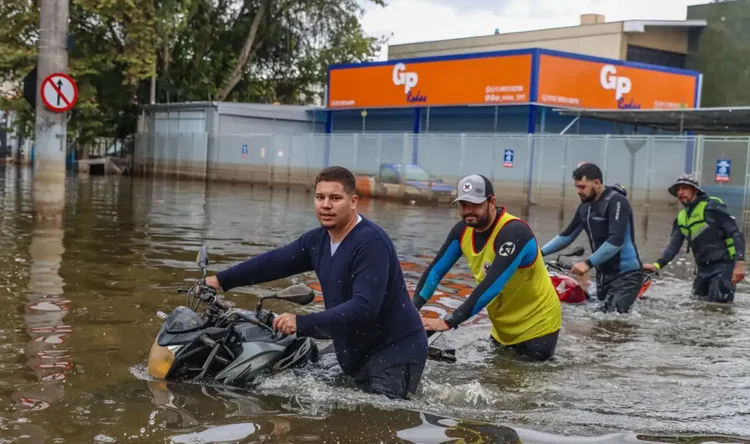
[(570, 110), (640, 25), (217, 105), (471, 37), (183, 105)]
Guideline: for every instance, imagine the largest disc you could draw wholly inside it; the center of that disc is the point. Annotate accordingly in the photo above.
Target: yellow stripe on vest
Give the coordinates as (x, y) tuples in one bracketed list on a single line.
[(693, 226)]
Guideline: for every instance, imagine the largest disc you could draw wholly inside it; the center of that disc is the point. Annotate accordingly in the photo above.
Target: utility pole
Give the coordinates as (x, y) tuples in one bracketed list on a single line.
[(48, 194), (50, 129), (152, 97)]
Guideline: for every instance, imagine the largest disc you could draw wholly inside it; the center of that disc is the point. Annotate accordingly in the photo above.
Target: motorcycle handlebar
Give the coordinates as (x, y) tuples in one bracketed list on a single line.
[(206, 294), (566, 268), (558, 266), (219, 302)]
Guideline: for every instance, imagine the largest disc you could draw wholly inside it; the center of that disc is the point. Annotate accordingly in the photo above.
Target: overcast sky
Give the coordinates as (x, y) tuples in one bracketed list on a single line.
[(424, 20)]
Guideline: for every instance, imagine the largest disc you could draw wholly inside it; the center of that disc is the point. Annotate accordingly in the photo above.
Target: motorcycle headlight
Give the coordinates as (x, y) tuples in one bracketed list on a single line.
[(160, 360)]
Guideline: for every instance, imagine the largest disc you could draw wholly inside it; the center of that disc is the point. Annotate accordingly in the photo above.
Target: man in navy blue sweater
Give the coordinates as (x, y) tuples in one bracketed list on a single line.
[(376, 330)]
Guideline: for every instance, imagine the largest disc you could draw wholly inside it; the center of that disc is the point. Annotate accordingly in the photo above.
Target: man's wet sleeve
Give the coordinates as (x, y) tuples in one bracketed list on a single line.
[(515, 247), (718, 213), (618, 220), (565, 238), (675, 242), (291, 259), (448, 255)]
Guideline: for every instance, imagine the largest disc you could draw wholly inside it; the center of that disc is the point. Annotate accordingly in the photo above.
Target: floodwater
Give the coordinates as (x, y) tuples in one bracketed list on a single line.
[(80, 315)]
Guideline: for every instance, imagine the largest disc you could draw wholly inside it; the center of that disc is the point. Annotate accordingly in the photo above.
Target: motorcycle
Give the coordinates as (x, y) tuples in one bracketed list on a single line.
[(568, 289), (223, 344)]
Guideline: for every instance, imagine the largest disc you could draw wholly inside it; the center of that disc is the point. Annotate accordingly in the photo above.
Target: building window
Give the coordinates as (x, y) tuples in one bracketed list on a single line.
[(655, 57)]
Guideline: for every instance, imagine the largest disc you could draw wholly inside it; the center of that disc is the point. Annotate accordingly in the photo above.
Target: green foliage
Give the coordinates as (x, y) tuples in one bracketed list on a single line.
[(722, 51), (235, 50), (18, 35)]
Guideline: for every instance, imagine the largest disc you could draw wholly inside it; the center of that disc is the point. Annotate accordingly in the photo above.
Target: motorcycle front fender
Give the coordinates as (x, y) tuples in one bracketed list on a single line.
[(255, 358)]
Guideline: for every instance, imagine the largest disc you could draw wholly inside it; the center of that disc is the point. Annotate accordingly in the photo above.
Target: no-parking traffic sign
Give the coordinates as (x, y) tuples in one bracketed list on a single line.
[(59, 92)]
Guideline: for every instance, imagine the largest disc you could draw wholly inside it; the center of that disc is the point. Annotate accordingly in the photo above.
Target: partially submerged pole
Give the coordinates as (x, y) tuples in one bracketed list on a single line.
[(50, 128)]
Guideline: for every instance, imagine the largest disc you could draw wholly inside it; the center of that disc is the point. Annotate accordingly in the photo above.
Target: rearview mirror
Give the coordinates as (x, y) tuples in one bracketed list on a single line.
[(203, 257), (299, 294)]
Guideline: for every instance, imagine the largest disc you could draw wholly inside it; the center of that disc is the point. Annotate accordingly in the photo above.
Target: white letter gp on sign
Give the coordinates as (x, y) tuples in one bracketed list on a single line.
[(610, 80), (402, 77)]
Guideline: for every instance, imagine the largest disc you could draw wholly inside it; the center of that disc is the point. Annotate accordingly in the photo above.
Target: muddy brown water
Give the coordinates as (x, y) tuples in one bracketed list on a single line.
[(80, 303)]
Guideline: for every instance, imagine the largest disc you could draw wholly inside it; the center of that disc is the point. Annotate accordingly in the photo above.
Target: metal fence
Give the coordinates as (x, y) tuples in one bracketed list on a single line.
[(529, 168)]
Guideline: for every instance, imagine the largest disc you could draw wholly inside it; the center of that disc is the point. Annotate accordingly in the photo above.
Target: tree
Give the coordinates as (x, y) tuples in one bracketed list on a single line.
[(720, 51), (236, 50), (261, 50)]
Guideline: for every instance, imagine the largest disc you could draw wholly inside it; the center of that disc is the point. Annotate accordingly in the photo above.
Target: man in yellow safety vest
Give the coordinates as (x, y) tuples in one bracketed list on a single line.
[(512, 280), (718, 246)]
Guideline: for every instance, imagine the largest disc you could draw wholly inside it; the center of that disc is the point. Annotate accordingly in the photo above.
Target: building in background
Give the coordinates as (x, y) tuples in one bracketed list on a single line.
[(513, 91), (658, 42), (434, 104), (8, 140), (510, 83)]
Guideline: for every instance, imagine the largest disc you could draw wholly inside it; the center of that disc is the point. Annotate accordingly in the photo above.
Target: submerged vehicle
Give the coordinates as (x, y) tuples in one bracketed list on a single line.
[(568, 289), (223, 344), (406, 183)]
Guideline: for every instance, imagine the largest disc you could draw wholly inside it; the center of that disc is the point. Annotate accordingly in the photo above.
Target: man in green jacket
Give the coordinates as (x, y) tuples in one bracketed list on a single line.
[(718, 246)]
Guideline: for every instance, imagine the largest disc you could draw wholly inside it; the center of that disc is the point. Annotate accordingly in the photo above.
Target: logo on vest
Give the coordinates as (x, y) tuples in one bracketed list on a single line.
[(507, 249), (409, 80)]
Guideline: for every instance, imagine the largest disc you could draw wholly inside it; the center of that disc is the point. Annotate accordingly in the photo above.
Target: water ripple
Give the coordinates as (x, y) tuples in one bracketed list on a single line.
[(80, 317)]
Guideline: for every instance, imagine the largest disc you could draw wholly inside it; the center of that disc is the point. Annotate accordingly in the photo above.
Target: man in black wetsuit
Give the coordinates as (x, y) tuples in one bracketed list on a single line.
[(606, 216), (717, 244)]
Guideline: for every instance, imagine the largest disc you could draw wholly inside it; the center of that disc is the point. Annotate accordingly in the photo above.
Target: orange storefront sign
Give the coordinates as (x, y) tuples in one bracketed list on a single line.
[(501, 79), (579, 83)]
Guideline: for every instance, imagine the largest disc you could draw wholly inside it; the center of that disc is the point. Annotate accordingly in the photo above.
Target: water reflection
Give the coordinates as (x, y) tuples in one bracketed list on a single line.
[(269, 418), (671, 365), (436, 429), (47, 352), (184, 410), (181, 404)]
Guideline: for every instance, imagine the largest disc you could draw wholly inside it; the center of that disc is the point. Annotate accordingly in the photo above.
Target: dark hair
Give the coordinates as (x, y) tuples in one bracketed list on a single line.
[(340, 175), (588, 170)]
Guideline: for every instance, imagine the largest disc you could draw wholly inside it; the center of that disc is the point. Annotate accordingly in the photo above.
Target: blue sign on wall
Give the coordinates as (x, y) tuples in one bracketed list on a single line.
[(508, 160), (244, 151), (723, 168)]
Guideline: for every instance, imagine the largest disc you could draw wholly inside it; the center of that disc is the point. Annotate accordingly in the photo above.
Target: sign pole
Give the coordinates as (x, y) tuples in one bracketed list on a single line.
[(48, 184), (50, 128)]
